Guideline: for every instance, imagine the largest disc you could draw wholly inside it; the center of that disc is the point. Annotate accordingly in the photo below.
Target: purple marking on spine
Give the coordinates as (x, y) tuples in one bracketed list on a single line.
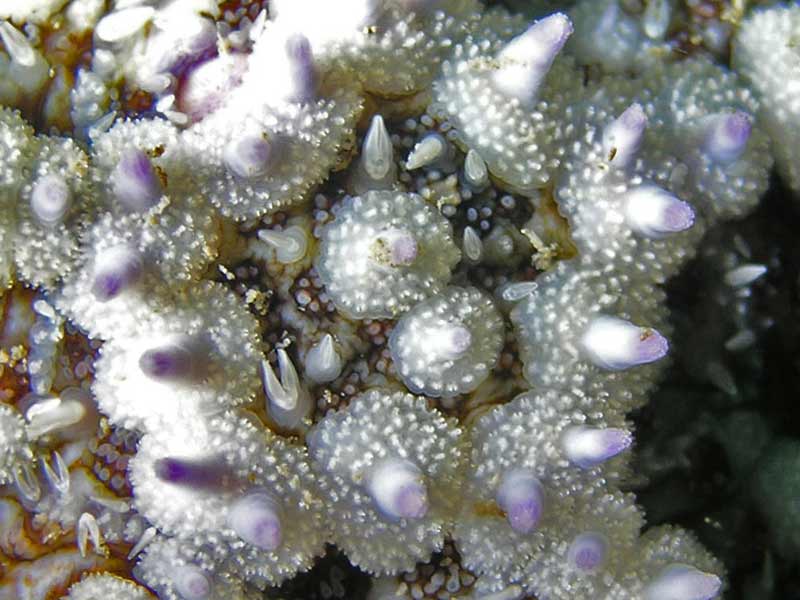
[(256, 519), (588, 551), (302, 70), (135, 182), (727, 136), (521, 497), (122, 270), (207, 474), (171, 362)]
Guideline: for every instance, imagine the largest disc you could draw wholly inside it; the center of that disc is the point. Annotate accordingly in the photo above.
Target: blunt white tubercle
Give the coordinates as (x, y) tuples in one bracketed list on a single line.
[(623, 137), (398, 489), (726, 136), (191, 582), (588, 551), (655, 213), (256, 519), (448, 341), (525, 61), (430, 150), (521, 496), (50, 199), (290, 244), (683, 582), (323, 362), (587, 447), (615, 344)]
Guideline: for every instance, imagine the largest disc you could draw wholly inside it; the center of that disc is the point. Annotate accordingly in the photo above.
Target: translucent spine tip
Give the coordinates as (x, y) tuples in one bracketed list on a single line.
[(587, 447), (623, 137), (521, 496), (377, 157), (616, 344), (472, 244), (683, 582), (525, 61), (744, 275), (288, 402), (476, 174), (655, 213), (398, 489), (323, 362)]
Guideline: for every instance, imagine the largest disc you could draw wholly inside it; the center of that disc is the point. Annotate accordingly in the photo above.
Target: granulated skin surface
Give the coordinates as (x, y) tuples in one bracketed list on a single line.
[(397, 299)]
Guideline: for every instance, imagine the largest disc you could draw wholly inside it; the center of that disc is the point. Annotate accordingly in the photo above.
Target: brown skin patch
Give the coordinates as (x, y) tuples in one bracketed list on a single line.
[(488, 509)]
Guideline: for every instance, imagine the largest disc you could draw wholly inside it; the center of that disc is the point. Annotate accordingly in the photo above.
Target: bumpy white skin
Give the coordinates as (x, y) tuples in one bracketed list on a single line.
[(594, 192), (210, 324), (447, 345), (304, 143), (345, 448), (158, 139), (174, 572), (611, 520), (607, 36), (393, 49), (53, 208), (170, 246), (519, 144), (106, 585), (240, 458), (18, 147), (111, 253), (174, 222), (356, 261), (681, 116), (528, 434), (14, 448), (551, 322), (765, 53), (657, 550)]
